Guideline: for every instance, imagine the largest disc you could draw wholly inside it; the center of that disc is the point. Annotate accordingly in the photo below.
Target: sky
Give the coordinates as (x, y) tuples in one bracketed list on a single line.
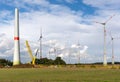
[(64, 24)]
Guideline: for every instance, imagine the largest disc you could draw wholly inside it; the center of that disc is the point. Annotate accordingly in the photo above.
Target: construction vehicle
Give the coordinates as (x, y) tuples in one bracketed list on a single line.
[(30, 52)]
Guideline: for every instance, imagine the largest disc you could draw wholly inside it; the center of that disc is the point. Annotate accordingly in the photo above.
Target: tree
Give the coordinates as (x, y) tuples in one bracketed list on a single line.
[(59, 61), (4, 62), (44, 61)]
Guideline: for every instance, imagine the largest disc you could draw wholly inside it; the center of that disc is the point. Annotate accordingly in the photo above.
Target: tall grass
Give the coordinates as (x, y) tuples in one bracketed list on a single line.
[(59, 75)]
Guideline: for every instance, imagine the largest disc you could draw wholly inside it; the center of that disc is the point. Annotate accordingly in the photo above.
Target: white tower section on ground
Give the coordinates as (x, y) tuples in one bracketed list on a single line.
[(16, 59)]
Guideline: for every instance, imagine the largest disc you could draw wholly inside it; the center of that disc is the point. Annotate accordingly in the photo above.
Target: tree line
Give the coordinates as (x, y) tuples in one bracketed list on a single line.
[(46, 61), (4, 62), (43, 61)]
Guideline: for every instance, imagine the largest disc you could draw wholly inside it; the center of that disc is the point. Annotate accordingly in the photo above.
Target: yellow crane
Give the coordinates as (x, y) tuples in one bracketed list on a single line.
[(30, 52)]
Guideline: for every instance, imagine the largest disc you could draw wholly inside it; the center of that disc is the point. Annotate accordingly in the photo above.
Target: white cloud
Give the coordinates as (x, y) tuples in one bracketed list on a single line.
[(59, 25), (84, 50), (103, 4), (27, 4), (45, 2), (6, 46), (71, 1), (68, 1)]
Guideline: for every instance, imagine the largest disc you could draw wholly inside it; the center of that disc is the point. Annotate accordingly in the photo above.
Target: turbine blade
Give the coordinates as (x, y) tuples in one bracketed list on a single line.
[(97, 22), (40, 35), (36, 52), (100, 23), (109, 43), (109, 18), (117, 38), (110, 34)]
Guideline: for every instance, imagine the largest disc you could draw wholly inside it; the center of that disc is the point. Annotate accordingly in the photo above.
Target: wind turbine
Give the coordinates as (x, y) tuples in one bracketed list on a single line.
[(104, 24), (52, 47), (78, 45), (112, 50), (112, 39), (55, 51), (40, 39)]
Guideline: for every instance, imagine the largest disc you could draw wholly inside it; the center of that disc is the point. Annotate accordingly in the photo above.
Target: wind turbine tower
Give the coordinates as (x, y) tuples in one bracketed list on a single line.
[(104, 26), (41, 43), (16, 58), (112, 50), (112, 39), (78, 45)]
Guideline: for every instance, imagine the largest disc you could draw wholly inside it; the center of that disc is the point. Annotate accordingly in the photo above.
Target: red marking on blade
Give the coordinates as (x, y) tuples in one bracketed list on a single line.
[(16, 38)]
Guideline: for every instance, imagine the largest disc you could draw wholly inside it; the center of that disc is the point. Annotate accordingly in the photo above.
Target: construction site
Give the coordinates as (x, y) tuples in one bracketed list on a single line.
[(59, 41), (58, 52)]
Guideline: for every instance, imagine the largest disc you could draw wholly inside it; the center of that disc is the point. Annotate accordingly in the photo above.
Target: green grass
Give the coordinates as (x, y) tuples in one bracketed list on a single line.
[(59, 75)]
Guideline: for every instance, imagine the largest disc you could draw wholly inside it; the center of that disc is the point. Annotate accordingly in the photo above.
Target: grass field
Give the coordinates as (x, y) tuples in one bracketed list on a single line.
[(59, 75)]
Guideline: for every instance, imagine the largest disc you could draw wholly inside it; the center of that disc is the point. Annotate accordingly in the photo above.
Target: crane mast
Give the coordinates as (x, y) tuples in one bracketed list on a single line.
[(30, 52)]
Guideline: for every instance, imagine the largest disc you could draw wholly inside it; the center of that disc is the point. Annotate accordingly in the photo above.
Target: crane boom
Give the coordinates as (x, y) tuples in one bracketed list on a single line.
[(30, 52)]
